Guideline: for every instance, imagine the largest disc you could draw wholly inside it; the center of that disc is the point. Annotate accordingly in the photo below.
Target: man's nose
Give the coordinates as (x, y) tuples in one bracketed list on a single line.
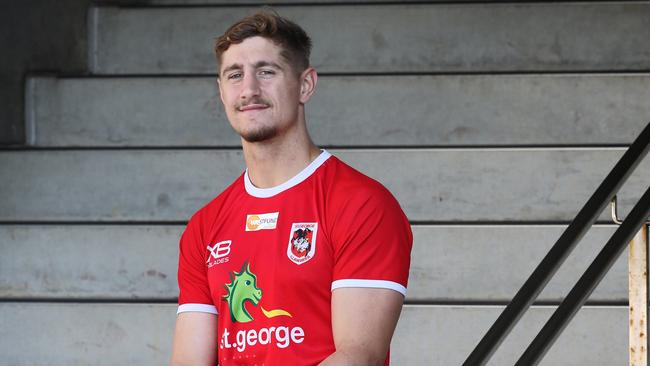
[(251, 86)]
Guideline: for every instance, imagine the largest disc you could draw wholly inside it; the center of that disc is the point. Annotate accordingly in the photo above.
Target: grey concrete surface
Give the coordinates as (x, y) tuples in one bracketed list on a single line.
[(391, 38), (431, 184), (247, 2), (140, 334), (60, 334), (139, 262), (352, 111), (490, 263), (446, 335), (36, 35), (89, 262), (12, 129)]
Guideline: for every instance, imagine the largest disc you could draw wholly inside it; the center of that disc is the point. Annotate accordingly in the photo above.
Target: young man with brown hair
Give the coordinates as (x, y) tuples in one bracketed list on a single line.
[(302, 260)]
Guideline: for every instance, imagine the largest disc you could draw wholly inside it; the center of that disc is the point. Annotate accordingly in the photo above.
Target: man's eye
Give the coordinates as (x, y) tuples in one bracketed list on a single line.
[(234, 76), (267, 72)]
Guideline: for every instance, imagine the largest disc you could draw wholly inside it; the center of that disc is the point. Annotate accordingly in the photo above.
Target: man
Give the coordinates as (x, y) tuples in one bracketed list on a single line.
[(302, 260)]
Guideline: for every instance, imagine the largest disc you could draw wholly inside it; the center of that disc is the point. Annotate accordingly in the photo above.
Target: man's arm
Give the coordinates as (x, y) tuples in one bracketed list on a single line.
[(195, 340), (363, 321)]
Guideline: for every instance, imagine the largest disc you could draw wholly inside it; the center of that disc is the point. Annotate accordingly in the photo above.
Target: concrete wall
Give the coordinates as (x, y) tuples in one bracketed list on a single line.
[(491, 122), (36, 36)]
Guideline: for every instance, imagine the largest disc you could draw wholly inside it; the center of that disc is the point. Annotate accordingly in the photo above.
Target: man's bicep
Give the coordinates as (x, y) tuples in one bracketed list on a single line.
[(195, 339), (364, 319)]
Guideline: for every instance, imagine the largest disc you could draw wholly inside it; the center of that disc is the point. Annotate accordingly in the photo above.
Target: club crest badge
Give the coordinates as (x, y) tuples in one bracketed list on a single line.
[(302, 242)]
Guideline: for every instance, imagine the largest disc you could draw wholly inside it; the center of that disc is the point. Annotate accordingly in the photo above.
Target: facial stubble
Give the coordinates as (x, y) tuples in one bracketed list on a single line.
[(261, 133)]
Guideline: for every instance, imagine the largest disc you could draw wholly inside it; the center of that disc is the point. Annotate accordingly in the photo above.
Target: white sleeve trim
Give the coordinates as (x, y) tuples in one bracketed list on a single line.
[(201, 308), (369, 283)]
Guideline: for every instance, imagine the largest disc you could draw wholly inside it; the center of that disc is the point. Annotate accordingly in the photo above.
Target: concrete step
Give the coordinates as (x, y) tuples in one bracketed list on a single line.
[(66, 334), (120, 262), (140, 334), (389, 38), (356, 111), (439, 185), (258, 3), (113, 262)]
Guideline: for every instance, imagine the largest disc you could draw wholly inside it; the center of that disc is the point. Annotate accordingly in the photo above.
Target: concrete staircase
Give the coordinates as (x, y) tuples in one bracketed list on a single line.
[(492, 124)]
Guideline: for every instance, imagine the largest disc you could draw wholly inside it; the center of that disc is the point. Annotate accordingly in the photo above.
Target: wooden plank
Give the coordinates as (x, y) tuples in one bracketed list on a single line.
[(442, 110), (390, 38), (140, 334), (638, 288), (120, 262), (431, 184)]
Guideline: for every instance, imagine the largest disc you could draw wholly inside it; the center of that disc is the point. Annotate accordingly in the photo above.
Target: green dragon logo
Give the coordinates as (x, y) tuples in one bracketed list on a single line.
[(243, 288)]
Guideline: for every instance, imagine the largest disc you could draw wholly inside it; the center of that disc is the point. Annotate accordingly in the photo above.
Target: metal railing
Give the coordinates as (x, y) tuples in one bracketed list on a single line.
[(559, 252)]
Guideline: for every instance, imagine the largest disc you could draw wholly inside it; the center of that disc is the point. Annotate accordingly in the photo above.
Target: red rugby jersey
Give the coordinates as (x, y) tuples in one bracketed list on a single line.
[(267, 260)]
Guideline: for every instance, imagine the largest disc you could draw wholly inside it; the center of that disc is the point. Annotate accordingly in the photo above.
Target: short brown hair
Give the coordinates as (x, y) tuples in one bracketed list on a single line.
[(294, 41)]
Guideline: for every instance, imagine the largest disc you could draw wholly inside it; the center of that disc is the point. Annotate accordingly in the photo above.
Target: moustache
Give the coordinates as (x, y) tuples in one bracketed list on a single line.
[(253, 101)]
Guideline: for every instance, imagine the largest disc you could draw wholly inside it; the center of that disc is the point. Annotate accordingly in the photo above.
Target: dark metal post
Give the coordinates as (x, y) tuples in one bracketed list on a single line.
[(560, 251), (587, 283)]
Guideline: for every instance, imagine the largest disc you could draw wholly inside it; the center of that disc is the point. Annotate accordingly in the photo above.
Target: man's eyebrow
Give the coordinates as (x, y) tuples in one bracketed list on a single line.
[(259, 64), (231, 67)]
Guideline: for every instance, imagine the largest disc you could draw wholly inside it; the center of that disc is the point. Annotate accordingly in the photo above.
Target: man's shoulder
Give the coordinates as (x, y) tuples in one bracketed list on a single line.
[(348, 180), (346, 184)]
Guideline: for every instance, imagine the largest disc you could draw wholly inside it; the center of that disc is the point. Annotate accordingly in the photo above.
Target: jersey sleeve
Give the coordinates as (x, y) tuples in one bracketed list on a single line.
[(372, 241), (192, 272)]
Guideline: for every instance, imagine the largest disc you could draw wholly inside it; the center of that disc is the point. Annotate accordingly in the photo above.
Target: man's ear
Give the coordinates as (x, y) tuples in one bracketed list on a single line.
[(220, 91), (308, 80)]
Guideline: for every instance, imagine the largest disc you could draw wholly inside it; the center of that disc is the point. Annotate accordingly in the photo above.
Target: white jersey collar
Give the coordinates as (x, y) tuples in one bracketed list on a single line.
[(295, 180)]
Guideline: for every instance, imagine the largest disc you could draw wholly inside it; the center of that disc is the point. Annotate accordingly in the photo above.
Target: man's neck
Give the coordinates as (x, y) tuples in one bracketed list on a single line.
[(271, 163)]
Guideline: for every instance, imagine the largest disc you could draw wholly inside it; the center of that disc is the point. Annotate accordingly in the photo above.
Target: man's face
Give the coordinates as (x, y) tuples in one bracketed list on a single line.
[(260, 91)]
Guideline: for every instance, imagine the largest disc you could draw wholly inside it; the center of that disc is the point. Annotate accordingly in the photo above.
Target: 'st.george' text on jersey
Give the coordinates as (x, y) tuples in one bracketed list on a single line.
[(267, 260)]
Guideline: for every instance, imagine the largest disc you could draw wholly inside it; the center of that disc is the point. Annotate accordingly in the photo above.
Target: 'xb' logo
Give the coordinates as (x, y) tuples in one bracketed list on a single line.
[(218, 252)]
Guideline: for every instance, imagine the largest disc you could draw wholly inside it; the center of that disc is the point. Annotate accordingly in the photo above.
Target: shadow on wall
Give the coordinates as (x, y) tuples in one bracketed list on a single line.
[(37, 36)]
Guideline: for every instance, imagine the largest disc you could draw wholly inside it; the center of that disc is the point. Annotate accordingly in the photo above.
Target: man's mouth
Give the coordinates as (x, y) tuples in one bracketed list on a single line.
[(252, 107)]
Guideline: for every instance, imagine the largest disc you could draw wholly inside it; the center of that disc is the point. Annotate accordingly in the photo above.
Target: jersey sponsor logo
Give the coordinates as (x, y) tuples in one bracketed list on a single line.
[(241, 290), (281, 337), (218, 253), (302, 242), (267, 221)]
